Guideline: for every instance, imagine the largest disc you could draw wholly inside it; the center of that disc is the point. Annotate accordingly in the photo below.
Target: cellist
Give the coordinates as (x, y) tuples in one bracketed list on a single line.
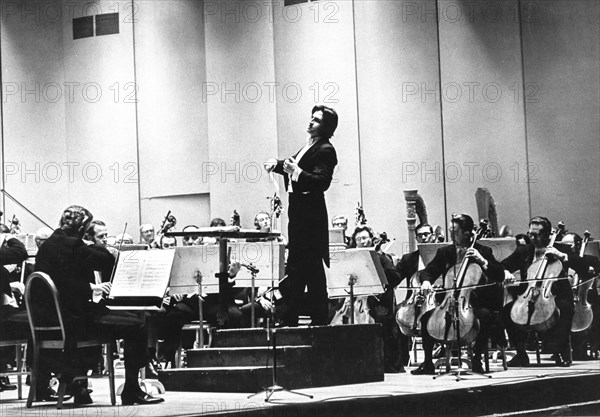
[(579, 340), (484, 299), (521, 259)]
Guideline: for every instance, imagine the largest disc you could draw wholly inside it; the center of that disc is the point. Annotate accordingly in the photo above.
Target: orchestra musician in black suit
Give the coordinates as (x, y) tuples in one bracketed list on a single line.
[(580, 341), (483, 300), (70, 261), (521, 259), (307, 175)]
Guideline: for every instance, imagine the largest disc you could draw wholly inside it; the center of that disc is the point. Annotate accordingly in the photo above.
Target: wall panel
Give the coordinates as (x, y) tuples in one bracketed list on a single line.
[(484, 126), (400, 130), (242, 129), (562, 62)]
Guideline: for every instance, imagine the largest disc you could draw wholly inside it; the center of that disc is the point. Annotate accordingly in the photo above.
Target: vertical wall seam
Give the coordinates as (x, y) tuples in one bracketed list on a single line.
[(439, 53), (137, 131), (360, 173), (527, 166)]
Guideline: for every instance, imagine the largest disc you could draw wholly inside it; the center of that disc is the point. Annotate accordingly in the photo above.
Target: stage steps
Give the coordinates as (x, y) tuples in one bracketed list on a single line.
[(306, 357)]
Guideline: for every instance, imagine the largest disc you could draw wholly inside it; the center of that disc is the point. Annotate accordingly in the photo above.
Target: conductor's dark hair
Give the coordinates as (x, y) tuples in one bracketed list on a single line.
[(330, 119)]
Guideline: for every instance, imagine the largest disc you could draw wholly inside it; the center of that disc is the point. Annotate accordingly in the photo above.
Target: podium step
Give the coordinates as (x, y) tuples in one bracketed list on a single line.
[(220, 379), (306, 357), (245, 356), (286, 336)]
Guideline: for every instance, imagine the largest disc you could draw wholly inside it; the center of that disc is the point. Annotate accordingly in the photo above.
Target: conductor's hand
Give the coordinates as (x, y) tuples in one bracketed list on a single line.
[(102, 288), (270, 164), (290, 165)]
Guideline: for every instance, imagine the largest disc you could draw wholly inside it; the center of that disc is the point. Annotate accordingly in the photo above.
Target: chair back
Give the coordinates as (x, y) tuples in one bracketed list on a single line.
[(43, 310)]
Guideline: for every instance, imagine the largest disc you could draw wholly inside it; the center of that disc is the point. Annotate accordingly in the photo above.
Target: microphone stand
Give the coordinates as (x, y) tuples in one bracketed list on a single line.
[(272, 337), (253, 271)]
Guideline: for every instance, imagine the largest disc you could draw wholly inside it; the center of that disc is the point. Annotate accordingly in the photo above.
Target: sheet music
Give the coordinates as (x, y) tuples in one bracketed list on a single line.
[(189, 261), (142, 274)]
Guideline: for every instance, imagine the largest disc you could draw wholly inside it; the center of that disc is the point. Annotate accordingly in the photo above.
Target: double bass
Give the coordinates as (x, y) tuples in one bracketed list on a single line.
[(583, 316), (536, 307), (454, 319)]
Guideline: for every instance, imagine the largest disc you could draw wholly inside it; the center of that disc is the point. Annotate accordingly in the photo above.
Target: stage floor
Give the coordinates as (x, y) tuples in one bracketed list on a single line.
[(538, 390)]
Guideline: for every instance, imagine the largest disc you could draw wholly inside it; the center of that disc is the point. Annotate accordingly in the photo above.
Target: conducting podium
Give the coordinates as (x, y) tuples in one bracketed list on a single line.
[(224, 236)]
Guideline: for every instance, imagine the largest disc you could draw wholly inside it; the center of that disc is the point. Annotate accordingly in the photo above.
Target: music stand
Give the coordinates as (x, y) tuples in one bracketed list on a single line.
[(355, 272), (223, 234)]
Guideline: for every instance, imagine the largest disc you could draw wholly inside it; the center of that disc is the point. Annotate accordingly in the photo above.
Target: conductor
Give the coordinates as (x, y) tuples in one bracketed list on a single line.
[(307, 175)]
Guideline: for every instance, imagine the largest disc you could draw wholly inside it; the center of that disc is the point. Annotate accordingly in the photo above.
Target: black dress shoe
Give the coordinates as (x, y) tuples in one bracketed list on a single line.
[(476, 366), (139, 397), (426, 368), (521, 359)]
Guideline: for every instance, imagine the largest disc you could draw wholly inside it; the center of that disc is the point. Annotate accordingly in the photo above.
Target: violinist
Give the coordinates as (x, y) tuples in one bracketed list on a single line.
[(69, 260), (580, 339), (483, 301), (521, 259)]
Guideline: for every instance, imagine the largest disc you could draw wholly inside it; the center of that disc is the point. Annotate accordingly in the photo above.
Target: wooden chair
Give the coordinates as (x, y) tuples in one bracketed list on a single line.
[(50, 333)]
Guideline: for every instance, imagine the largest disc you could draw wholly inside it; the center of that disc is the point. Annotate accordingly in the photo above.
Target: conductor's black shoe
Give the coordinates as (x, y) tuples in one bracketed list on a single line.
[(426, 368), (139, 397), (520, 359), (477, 367)]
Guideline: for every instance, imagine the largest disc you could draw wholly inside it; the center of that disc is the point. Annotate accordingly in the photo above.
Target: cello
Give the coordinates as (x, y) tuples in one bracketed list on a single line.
[(456, 308), (410, 311), (536, 307), (583, 316)]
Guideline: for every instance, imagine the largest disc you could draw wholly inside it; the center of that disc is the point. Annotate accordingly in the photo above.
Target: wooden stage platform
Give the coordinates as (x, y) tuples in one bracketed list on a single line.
[(535, 391)]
